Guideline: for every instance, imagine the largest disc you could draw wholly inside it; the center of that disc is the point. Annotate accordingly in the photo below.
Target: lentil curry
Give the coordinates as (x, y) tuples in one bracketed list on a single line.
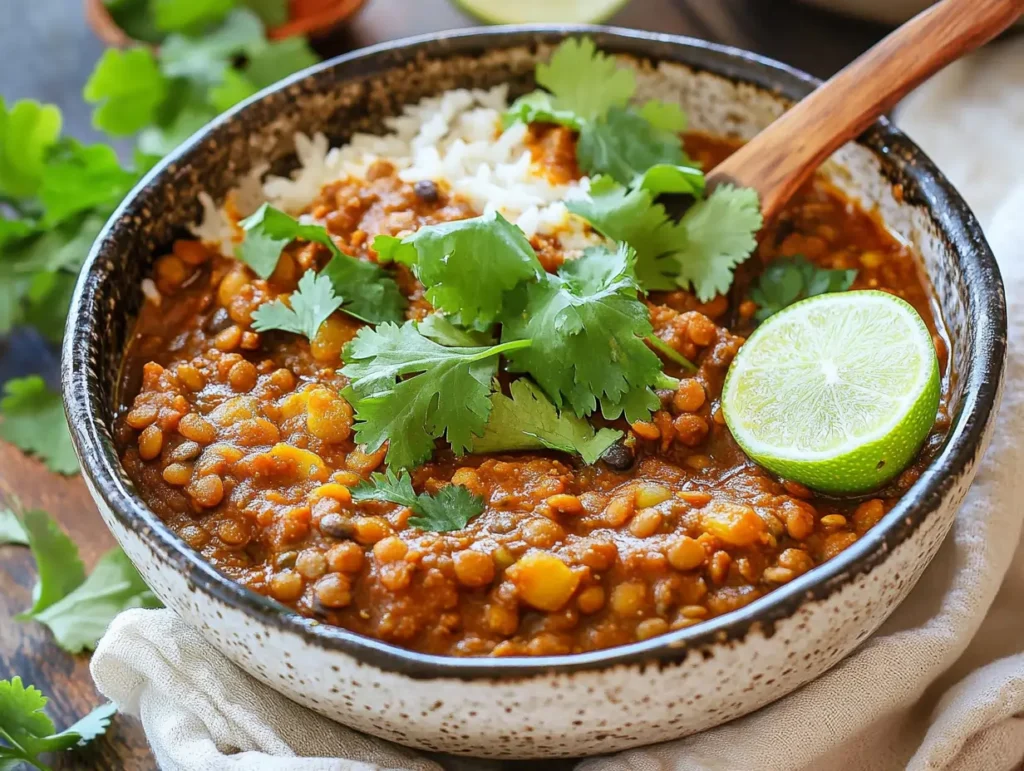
[(241, 442)]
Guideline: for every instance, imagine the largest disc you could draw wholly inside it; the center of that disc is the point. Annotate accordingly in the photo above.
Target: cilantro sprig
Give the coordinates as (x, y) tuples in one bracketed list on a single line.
[(450, 508), (32, 419), (367, 291), (409, 391), (309, 307), (787, 280), (26, 731), (527, 420)]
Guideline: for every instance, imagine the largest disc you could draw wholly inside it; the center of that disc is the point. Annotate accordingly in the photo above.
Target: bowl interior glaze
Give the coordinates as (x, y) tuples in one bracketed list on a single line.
[(724, 90)]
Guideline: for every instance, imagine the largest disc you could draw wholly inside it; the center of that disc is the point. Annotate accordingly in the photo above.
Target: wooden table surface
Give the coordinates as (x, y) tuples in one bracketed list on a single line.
[(55, 52)]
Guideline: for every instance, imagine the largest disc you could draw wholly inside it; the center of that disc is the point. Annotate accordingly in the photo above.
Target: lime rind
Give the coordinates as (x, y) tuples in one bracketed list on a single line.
[(542, 11), (837, 392)]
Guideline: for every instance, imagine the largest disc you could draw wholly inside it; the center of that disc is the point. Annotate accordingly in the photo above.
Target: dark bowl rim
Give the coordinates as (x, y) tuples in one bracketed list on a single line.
[(964, 443)]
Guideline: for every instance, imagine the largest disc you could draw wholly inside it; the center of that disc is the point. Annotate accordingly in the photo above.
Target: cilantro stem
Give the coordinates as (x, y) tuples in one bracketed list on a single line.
[(670, 353), (494, 350), (666, 382)]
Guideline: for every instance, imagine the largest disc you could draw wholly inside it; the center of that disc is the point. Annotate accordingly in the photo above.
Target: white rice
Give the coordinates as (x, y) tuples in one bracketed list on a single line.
[(454, 139)]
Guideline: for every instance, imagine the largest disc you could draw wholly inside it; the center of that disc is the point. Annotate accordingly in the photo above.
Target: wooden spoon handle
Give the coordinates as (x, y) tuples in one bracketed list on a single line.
[(784, 155)]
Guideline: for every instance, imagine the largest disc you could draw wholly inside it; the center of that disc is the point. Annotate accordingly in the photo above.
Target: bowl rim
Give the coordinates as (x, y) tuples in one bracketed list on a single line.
[(986, 309)]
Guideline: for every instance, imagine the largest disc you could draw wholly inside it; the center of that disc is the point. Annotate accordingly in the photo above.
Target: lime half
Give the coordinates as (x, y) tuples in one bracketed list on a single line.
[(541, 11), (837, 392)]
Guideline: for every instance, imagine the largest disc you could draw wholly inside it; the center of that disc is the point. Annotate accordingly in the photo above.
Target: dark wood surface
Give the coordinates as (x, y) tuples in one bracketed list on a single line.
[(54, 53)]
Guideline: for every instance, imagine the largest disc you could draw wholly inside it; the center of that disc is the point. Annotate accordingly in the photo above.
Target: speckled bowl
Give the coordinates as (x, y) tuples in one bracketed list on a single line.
[(589, 703)]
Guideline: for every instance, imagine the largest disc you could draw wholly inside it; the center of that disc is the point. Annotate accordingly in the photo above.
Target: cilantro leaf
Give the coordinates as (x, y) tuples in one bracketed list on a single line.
[(29, 732), (205, 59), (666, 178), (588, 328), (527, 420), (11, 529), (370, 294), (272, 13), (444, 393), (233, 88), (466, 265), (160, 140), (270, 62), (59, 569), (33, 420), (440, 329), (719, 234), (311, 304), (80, 618), (79, 178), (585, 81), (539, 107), (179, 15), (27, 132), (128, 87), (450, 508), (624, 145), (664, 116), (787, 280)]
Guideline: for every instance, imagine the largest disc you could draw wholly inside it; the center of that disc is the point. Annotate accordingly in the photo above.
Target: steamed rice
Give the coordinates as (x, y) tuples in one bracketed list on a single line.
[(455, 139)]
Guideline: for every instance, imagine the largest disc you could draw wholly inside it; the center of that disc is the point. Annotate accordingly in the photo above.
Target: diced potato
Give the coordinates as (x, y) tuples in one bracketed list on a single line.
[(649, 494), (734, 523)]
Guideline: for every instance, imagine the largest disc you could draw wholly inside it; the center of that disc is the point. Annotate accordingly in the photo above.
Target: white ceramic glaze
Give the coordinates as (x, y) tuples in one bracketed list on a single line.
[(608, 700)]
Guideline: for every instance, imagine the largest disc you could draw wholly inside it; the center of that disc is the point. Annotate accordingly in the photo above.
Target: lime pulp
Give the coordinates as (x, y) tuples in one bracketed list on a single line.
[(837, 392), (541, 11)]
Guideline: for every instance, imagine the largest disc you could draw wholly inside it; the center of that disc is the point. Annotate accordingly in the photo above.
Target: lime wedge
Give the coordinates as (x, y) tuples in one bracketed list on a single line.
[(541, 11), (837, 392)]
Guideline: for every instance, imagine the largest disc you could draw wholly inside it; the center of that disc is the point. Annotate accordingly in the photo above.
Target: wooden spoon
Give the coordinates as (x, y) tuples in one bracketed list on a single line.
[(779, 159)]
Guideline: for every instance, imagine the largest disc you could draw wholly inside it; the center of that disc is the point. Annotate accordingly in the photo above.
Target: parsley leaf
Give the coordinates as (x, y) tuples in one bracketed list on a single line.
[(787, 280), (527, 420), (450, 508), (11, 529), (444, 392), (27, 132), (370, 294), (588, 328), (624, 145), (27, 731), (79, 619), (585, 81), (466, 265), (33, 420), (128, 87), (310, 305), (59, 569)]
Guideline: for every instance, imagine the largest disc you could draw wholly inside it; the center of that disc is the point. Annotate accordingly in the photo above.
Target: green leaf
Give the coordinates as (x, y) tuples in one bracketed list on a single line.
[(588, 327), (440, 329), (665, 178), (278, 59), (539, 107), (624, 145), (467, 265), (311, 305), (719, 234), (789, 279), (33, 420), (59, 569), (79, 178), (585, 81), (29, 732), (205, 59), (27, 132), (443, 394), (184, 15), (231, 90), (160, 140), (11, 529), (47, 301), (129, 89), (529, 421), (273, 13), (450, 508), (81, 617), (664, 116), (370, 294)]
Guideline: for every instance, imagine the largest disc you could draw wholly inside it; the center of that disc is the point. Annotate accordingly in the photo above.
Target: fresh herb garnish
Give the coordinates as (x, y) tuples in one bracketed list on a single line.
[(527, 420), (128, 88), (789, 279), (450, 508), (699, 252), (441, 330), (444, 391), (11, 529), (310, 305), (369, 293), (58, 567), (588, 328), (32, 419), (466, 265), (27, 731)]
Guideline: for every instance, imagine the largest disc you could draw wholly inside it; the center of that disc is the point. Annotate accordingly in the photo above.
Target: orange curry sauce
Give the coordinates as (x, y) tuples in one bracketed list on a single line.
[(242, 444)]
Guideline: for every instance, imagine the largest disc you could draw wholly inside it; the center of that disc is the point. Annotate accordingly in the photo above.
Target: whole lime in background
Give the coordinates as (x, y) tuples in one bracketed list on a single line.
[(837, 392)]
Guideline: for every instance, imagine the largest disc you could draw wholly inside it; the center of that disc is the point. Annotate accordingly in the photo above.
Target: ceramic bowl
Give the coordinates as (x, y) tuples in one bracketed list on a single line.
[(588, 703)]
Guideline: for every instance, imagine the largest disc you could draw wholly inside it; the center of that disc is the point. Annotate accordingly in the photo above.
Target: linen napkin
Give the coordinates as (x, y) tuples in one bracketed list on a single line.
[(939, 686)]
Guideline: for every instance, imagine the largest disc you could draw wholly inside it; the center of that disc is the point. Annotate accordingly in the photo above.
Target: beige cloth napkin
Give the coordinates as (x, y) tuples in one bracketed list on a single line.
[(940, 686)]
